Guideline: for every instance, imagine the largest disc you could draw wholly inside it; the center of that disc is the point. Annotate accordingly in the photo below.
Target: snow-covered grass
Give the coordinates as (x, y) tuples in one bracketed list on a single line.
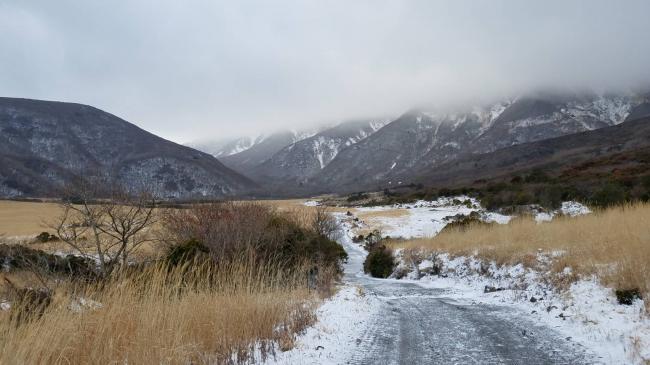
[(612, 244), (571, 209), (422, 218)]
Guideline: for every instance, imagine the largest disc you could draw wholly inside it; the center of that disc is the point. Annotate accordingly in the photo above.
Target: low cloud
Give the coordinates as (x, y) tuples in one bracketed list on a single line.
[(197, 69)]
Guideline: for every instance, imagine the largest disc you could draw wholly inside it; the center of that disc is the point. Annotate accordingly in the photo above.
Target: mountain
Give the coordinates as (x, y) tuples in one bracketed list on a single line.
[(622, 149), (248, 159), (302, 159), (226, 147), (45, 145), (419, 142)]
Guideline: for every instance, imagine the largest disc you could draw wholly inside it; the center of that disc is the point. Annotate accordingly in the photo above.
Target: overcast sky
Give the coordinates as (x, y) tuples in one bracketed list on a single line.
[(197, 69)]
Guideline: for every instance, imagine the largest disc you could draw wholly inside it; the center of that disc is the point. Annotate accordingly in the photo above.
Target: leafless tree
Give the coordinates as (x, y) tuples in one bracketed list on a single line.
[(325, 224), (109, 228)]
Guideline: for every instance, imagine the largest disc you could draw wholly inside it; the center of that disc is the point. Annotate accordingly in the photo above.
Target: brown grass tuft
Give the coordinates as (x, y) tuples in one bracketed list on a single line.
[(170, 316), (613, 244)]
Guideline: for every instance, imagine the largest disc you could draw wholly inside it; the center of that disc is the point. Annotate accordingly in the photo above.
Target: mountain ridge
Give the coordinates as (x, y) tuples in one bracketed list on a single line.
[(44, 144)]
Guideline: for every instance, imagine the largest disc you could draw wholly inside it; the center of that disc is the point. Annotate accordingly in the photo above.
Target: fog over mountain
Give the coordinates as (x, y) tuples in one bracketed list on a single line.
[(199, 69)]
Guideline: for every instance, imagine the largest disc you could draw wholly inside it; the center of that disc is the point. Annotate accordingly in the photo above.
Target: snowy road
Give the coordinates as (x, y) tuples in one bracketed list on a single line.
[(417, 325)]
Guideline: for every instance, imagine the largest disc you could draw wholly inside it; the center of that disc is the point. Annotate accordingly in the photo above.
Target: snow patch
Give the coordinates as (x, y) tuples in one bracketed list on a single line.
[(333, 340)]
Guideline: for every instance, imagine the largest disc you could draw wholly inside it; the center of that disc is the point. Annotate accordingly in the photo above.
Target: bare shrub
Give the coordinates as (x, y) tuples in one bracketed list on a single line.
[(325, 224), (108, 229), (231, 230)]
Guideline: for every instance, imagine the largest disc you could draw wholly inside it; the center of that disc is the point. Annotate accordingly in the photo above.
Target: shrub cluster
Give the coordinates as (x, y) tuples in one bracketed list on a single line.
[(539, 188), (15, 257), (380, 262), (228, 231), (46, 237)]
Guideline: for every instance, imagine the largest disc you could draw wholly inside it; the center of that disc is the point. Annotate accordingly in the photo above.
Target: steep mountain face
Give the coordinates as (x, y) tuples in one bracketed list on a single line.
[(227, 147), (404, 144), (536, 118), (248, 159), (305, 158), (44, 145), (422, 141), (623, 148)]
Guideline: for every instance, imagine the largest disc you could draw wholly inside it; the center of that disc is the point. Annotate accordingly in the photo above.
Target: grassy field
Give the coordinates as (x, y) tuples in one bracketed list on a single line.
[(613, 244), (25, 218), (159, 315), (30, 218)]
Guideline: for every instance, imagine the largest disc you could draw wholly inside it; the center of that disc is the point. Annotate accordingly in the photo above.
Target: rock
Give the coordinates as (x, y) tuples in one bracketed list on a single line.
[(491, 289), (358, 341), (533, 300), (550, 308), (628, 296), (349, 214), (16, 257)]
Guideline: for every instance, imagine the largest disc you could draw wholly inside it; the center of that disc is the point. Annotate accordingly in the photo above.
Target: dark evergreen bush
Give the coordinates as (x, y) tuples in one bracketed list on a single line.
[(187, 251), (610, 194), (380, 262)]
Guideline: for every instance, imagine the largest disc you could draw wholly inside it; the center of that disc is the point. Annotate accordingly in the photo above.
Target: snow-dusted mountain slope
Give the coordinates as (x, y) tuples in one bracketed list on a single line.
[(45, 145), (535, 118), (302, 159), (249, 159), (420, 141), (227, 147)]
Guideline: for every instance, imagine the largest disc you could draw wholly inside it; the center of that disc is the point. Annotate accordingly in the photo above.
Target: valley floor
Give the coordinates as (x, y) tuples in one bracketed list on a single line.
[(451, 319)]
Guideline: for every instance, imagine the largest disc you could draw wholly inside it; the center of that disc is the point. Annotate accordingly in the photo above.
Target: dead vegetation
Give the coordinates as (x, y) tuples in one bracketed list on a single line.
[(164, 315), (223, 282), (613, 244)]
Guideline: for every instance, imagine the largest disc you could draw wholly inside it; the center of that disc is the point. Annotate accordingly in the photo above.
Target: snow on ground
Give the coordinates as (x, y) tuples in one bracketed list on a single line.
[(426, 218), (341, 320), (574, 209), (587, 312), (334, 338), (570, 208)]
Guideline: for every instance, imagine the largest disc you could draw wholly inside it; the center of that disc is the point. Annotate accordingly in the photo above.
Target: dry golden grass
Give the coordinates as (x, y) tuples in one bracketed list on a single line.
[(163, 317), (30, 218), (202, 315), (376, 219), (613, 244), (25, 218)]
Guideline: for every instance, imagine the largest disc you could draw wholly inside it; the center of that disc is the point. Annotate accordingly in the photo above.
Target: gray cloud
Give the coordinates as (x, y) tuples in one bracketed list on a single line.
[(196, 69)]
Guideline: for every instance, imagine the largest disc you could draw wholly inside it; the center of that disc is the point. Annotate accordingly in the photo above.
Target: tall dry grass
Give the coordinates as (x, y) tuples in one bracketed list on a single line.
[(613, 244), (166, 315)]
